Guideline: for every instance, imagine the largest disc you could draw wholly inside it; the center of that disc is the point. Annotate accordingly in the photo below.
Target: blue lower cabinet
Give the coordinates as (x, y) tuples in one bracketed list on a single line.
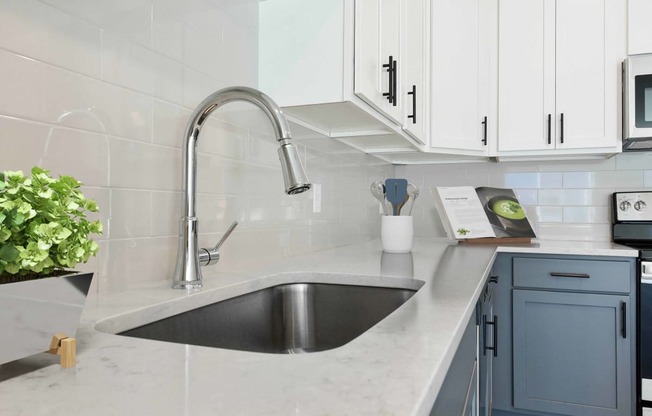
[(458, 393), (567, 338), (572, 353)]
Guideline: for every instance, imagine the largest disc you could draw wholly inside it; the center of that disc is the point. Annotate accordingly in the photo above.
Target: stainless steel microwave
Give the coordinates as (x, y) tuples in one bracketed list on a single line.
[(637, 103)]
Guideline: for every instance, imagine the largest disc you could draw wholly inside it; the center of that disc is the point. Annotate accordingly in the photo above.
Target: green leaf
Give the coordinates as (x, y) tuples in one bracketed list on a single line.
[(47, 193), (8, 253), (4, 234)]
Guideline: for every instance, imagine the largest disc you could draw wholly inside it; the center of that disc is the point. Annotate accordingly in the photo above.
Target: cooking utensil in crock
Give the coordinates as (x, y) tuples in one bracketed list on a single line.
[(395, 192), (378, 191)]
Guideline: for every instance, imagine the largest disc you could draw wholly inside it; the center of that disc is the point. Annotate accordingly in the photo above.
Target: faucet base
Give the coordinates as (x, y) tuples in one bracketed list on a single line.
[(187, 285)]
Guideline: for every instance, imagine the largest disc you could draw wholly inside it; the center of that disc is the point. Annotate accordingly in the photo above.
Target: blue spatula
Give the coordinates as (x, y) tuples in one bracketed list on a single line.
[(395, 192)]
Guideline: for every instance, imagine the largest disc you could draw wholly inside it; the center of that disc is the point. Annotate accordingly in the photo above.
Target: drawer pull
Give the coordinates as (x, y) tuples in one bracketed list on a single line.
[(576, 275)]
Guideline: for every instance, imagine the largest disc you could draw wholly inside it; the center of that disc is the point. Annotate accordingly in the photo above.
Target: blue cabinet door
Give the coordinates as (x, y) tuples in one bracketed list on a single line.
[(572, 353)]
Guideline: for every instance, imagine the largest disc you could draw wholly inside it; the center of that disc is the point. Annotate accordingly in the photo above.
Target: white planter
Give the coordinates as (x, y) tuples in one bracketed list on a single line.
[(31, 312)]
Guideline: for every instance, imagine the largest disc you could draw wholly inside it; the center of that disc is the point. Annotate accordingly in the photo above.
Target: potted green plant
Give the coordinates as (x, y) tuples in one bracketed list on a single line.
[(44, 234)]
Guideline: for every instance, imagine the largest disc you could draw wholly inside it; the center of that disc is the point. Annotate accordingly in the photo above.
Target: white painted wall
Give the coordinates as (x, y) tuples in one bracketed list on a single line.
[(101, 90)]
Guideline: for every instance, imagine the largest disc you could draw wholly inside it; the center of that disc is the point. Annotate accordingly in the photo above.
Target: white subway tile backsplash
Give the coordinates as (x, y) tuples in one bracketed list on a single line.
[(647, 179), (137, 262), (29, 144), (587, 165), (634, 161), (586, 215), (598, 197), (135, 165), (167, 34), (166, 213), (534, 180), (62, 148), (130, 19), (527, 196), (130, 213), (574, 232), (169, 123), (23, 143), (136, 67), (38, 91), (543, 214), (223, 139), (603, 179), (203, 41), (197, 86), (54, 36)]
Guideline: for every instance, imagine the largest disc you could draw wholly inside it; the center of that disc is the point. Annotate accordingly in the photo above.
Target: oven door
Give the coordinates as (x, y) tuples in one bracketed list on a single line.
[(646, 332)]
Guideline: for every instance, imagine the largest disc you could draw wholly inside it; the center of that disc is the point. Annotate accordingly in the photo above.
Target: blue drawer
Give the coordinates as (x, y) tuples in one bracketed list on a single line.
[(575, 275)]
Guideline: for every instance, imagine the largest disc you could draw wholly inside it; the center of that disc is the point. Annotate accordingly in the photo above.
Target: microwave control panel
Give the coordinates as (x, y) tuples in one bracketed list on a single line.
[(633, 206)]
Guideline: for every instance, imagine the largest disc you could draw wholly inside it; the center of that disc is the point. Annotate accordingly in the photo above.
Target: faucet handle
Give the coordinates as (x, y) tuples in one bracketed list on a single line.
[(210, 256)]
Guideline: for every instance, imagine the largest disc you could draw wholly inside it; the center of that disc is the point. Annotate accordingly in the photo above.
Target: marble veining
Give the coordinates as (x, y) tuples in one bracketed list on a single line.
[(395, 368)]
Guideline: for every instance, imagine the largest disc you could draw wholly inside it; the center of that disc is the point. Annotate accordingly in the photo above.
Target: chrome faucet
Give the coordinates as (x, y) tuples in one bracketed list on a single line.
[(187, 274)]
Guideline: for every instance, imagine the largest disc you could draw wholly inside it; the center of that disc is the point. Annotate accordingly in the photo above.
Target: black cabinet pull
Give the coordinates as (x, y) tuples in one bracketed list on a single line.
[(494, 345), (577, 275), (413, 93), (561, 137), (623, 316), (394, 83), (484, 127), (390, 68), (549, 128)]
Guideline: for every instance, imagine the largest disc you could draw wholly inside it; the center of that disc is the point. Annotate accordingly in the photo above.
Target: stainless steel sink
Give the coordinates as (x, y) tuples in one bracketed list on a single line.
[(283, 319)]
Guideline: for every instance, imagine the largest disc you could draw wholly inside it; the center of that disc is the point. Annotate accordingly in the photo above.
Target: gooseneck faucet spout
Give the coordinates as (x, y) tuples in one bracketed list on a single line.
[(187, 273)]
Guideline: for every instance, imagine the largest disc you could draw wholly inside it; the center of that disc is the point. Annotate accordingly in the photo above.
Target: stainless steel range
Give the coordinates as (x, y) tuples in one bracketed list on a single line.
[(632, 226)]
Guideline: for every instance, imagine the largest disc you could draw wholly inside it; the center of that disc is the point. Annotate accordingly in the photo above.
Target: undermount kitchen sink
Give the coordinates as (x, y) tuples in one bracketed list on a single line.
[(283, 319)]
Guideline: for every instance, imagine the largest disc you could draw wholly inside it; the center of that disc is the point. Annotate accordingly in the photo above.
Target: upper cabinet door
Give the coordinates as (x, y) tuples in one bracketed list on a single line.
[(526, 74), (458, 109), (587, 73), (559, 82), (377, 54), (414, 62), (639, 38)]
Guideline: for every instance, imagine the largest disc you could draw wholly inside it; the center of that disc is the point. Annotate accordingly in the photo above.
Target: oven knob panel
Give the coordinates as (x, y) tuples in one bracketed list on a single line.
[(633, 206)]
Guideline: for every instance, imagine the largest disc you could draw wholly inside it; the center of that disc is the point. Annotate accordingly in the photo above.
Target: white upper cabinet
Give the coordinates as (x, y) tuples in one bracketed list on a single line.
[(391, 59), (460, 100), (377, 55), (559, 76), (415, 24), (326, 64), (419, 81), (639, 37)]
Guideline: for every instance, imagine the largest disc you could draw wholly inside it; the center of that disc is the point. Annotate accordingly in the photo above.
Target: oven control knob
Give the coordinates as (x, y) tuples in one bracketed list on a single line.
[(625, 205), (640, 205)]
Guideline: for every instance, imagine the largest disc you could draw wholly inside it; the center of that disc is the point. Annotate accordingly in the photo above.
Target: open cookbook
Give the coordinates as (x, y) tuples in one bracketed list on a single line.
[(482, 213)]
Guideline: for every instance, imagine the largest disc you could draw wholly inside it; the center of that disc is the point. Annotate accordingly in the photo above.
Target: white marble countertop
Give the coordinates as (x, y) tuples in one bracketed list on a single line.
[(395, 368)]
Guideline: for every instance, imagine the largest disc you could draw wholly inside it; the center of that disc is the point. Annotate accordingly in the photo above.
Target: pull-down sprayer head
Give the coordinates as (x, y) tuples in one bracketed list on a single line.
[(294, 176)]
